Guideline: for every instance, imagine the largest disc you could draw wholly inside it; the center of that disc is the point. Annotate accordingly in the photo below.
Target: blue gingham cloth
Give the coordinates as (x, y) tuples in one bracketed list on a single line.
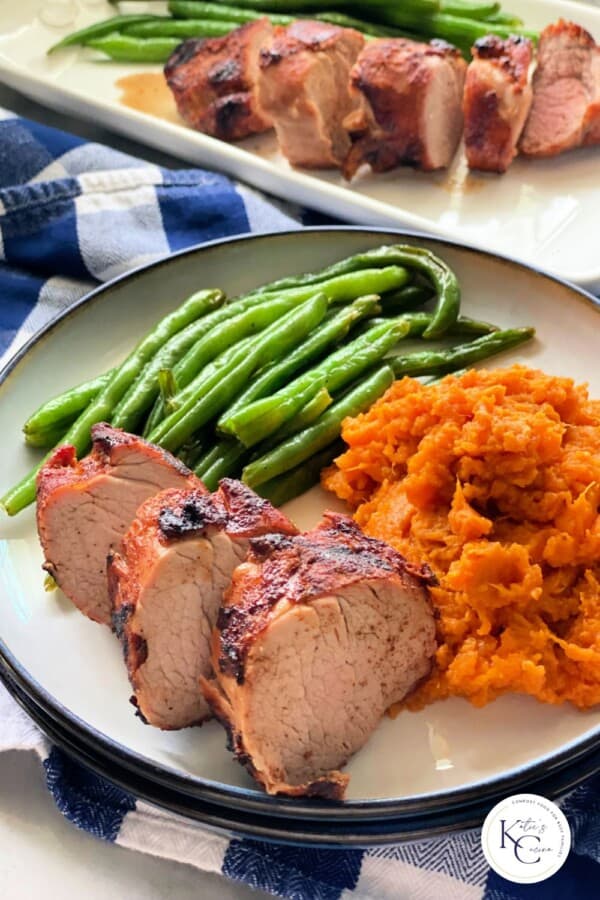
[(73, 214)]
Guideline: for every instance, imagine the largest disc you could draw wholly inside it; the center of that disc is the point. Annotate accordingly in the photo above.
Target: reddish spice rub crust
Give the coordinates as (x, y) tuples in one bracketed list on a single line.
[(173, 516), (85, 506), (288, 41), (213, 81), (396, 77), (496, 102), (296, 569), (565, 112), (63, 469), (234, 507)]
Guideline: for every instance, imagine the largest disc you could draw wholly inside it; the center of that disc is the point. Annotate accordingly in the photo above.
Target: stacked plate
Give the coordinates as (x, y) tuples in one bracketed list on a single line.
[(435, 770)]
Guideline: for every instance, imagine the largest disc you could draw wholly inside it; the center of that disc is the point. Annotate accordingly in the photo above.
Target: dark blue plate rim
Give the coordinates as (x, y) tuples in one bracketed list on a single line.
[(234, 822)]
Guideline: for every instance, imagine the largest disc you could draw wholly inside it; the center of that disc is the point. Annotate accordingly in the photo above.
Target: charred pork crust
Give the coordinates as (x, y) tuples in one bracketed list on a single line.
[(501, 51), (107, 441), (214, 82), (175, 561), (182, 54), (297, 37), (192, 514), (395, 78), (234, 508), (85, 506), (300, 568), (565, 112), (496, 101)]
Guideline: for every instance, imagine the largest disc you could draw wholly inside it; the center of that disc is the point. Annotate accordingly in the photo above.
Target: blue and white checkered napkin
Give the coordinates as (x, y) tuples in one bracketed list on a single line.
[(73, 214)]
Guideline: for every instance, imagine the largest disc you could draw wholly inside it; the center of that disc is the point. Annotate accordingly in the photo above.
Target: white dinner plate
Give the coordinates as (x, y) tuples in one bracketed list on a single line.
[(446, 754), (544, 212)]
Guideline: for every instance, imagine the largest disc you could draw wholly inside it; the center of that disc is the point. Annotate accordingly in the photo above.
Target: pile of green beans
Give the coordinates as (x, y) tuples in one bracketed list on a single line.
[(152, 38), (259, 385)]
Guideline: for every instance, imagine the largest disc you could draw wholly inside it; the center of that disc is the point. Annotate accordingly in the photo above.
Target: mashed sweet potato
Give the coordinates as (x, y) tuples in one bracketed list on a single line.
[(493, 478)]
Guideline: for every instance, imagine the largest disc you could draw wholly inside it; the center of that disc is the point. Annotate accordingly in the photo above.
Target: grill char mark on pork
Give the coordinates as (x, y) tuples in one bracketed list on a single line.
[(413, 108), (497, 99), (565, 112), (214, 82), (167, 584), (304, 88), (84, 508), (318, 635)]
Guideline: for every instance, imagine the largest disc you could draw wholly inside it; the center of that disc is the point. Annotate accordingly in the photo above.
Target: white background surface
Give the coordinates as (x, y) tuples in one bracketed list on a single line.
[(42, 855)]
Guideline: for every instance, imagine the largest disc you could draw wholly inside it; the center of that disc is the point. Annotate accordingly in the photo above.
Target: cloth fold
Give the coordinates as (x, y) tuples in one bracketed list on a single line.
[(73, 214)]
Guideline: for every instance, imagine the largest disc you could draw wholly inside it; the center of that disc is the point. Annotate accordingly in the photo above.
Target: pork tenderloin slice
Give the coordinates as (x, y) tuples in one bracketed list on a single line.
[(167, 585), (215, 82), (304, 88), (497, 100), (565, 112), (318, 636), (85, 507), (413, 114)]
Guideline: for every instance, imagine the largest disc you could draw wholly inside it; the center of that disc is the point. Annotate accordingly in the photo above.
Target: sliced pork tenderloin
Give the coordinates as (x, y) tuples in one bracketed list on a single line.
[(304, 88), (167, 584), (413, 109), (319, 634), (496, 101), (565, 112), (214, 82), (85, 507)]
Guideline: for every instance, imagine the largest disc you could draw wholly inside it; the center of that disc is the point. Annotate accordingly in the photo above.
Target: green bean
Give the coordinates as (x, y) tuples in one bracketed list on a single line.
[(213, 390), (254, 423), (435, 270), (194, 9), (297, 481), (123, 48), (300, 447), (100, 409), (441, 277), (210, 342), (224, 459), (503, 18), (308, 414), (167, 386), (63, 410), (378, 256), (341, 289), (330, 332), (470, 9), (418, 322), (258, 420), (369, 28), (315, 407), (194, 449), (98, 29), (309, 6), (46, 438), (455, 29), (434, 362), (408, 297), (180, 28), (130, 411)]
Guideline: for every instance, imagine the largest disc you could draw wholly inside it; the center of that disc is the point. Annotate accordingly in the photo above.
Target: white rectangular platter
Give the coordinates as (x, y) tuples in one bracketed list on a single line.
[(543, 212)]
